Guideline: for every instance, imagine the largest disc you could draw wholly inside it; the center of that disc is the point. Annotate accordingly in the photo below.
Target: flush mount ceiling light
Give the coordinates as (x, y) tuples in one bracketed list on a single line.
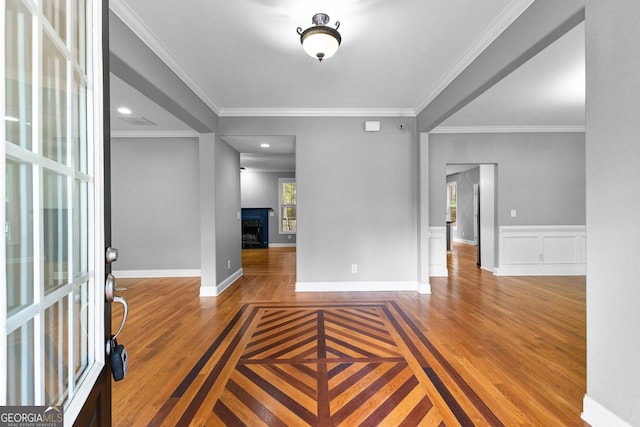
[(320, 41)]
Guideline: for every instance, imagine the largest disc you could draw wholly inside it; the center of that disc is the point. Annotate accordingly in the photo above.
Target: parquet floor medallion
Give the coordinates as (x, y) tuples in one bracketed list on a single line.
[(355, 364)]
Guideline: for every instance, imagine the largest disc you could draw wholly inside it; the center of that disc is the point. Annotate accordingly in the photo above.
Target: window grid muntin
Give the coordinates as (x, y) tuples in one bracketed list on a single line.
[(34, 314), (283, 206)]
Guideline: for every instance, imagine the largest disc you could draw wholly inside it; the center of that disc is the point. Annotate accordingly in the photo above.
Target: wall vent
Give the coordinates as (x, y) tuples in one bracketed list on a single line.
[(137, 121)]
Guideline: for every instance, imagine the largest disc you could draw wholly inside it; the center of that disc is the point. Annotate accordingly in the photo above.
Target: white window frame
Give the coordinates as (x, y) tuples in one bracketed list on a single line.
[(280, 205), (450, 184), (81, 388)]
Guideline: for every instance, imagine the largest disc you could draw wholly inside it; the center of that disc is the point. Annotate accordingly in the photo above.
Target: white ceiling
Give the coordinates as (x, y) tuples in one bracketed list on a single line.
[(243, 57)]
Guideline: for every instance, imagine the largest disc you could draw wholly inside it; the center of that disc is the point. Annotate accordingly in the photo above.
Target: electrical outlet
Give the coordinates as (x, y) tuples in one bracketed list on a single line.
[(513, 213), (228, 264), (354, 268)]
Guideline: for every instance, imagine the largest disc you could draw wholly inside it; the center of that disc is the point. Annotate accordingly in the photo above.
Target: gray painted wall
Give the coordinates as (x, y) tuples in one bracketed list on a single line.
[(540, 175), (543, 22), (357, 195), (613, 183), (139, 66), (465, 182), (228, 226), (155, 203), (260, 190)]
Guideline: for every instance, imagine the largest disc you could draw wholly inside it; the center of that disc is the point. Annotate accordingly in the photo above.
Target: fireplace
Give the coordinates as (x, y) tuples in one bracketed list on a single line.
[(255, 228)]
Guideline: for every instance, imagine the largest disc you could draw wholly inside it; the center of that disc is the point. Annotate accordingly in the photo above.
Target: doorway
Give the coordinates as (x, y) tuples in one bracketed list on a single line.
[(267, 185), (471, 215)]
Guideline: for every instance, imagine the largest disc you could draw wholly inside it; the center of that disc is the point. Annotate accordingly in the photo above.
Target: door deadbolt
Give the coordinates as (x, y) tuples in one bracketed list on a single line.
[(111, 255)]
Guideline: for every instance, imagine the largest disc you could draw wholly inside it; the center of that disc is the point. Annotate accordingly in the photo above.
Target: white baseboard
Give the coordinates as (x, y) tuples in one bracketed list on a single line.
[(229, 281), (465, 241), (359, 286), (598, 416), (282, 245), (209, 291), (490, 270), (152, 274), (424, 288)]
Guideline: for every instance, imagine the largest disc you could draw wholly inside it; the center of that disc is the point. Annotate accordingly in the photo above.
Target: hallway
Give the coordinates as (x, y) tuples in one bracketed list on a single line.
[(480, 349)]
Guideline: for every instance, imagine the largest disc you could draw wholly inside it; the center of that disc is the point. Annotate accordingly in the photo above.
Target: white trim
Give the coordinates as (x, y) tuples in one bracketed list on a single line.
[(490, 270), (424, 288), (438, 251), (317, 112), (155, 134), (598, 416), (210, 291), (140, 29), (381, 286), (222, 286), (3, 254), (542, 250), (282, 245), (148, 37), (281, 181), (142, 274), (497, 27), (465, 241), (95, 153), (510, 129)]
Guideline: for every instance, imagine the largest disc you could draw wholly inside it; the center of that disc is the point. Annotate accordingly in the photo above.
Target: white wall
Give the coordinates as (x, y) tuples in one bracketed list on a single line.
[(488, 226), (613, 184)]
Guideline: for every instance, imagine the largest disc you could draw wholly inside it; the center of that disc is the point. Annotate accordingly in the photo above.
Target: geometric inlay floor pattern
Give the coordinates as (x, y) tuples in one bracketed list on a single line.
[(328, 364)]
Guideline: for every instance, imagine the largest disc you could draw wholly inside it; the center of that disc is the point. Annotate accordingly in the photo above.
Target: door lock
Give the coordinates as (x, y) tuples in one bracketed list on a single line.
[(111, 255)]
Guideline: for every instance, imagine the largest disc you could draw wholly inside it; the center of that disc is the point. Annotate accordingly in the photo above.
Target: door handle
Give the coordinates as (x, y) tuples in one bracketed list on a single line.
[(111, 297), (110, 288), (125, 306)]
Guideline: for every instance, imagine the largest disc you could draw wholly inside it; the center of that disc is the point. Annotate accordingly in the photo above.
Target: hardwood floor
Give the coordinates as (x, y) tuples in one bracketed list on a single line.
[(481, 349)]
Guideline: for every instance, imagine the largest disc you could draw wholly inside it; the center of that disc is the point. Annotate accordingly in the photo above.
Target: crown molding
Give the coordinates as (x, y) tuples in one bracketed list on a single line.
[(509, 129), (317, 112), (154, 134), (506, 18), (144, 33)]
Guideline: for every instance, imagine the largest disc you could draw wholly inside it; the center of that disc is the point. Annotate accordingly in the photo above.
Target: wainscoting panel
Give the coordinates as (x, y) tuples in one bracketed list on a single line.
[(438, 252), (542, 250)]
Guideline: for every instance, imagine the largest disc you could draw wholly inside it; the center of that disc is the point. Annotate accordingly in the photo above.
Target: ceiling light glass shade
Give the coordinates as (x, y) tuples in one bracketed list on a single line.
[(320, 41)]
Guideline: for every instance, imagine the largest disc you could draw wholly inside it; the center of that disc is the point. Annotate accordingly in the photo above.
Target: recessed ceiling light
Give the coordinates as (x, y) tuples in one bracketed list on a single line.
[(124, 110), (265, 145), (11, 119)]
